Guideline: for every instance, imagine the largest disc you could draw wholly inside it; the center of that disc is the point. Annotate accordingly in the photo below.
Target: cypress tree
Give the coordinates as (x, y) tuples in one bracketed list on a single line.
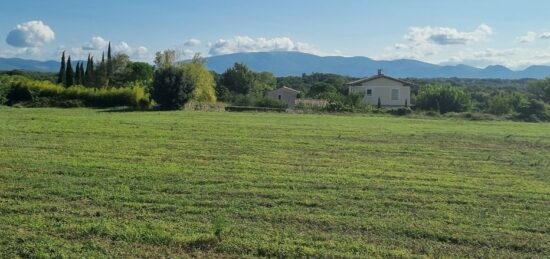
[(70, 73), (87, 73), (77, 74), (109, 63), (61, 75), (101, 75), (81, 73), (90, 71)]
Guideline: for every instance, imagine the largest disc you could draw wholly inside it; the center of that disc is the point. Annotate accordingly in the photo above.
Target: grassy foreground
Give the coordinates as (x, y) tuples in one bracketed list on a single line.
[(89, 183)]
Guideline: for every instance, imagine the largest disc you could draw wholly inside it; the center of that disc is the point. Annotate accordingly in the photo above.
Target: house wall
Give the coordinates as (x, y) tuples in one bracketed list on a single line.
[(287, 96), (382, 88)]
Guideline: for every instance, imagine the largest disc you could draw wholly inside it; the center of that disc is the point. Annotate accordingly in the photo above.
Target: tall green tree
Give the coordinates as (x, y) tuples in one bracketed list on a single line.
[(77, 79), (139, 71), (69, 74), (540, 89), (109, 68), (263, 82), (202, 81), (170, 88), (90, 79), (62, 70), (81, 73), (238, 79), (101, 76), (165, 59)]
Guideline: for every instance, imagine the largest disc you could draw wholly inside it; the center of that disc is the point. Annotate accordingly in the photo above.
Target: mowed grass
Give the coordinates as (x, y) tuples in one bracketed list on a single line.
[(90, 183)]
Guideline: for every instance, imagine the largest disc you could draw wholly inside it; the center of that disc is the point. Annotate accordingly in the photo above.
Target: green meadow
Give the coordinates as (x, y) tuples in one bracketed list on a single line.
[(92, 183)]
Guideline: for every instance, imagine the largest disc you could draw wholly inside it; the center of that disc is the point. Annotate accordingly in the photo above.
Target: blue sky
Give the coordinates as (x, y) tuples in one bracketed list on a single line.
[(478, 33)]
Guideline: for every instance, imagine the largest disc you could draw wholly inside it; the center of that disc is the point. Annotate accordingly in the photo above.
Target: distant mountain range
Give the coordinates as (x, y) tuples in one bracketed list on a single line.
[(297, 63), (7, 64)]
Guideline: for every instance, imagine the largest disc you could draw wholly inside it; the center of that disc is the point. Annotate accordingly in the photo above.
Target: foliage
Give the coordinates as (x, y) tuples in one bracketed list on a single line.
[(119, 70), (540, 90), (165, 59), (306, 82), (252, 101), (443, 98), (30, 91), (270, 103), (90, 80), (401, 111), (533, 110), (69, 76), (201, 79), (61, 76), (505, 103), (171, 88), (138, 71), (238, 79), (322, 88), (41, 76), (219, 225), (263, 83)]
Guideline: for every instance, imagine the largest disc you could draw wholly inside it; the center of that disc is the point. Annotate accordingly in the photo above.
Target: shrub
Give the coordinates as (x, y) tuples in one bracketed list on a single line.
[(335, 106), (4, 89), (533, 110), (270, 103), (401, 111), (505, 103), (49, 94), (171, 89), (219, 225), (443, 98), (17, 94)]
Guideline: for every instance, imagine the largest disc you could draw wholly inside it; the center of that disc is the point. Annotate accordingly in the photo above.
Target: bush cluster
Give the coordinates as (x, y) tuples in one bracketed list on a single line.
[(45, 93)]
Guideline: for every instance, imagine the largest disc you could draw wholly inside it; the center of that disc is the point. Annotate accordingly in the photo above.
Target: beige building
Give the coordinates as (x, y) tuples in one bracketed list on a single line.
[(392, 92), (284, 94)]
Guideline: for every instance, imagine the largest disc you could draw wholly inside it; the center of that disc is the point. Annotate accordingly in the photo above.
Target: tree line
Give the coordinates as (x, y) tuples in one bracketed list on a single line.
[(171, 83), (115, 71)]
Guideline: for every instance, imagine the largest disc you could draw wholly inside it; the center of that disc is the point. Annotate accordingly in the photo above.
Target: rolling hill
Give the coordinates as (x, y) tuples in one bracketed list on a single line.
[(297, 63)]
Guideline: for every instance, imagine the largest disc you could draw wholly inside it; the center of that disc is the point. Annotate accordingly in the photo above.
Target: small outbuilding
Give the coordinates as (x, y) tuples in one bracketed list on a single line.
[(284, 94), (390, 91)]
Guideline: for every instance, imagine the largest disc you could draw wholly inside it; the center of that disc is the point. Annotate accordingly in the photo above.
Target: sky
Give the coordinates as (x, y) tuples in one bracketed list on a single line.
[(479, 33)]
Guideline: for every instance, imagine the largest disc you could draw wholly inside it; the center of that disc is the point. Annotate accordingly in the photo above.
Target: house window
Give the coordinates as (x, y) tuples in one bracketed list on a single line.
[(394, 94), (280, 97), (369, 92)]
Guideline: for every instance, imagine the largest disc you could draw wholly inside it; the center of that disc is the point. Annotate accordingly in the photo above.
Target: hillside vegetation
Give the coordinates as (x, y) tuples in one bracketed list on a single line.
[(93, 183)]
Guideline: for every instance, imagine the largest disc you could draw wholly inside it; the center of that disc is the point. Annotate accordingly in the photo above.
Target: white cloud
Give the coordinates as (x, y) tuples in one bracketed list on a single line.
[(192, 43), (544, 36), (530, 36), (428, 42), (30, 34), (447, 36), (247, 44), (96, 43)]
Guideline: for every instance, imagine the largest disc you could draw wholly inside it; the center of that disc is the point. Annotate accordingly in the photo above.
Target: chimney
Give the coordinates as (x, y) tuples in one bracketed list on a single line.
[(379, 72)]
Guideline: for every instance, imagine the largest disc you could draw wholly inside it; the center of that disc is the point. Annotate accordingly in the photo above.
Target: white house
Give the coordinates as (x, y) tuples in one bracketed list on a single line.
[(284, 94), (391, 91)]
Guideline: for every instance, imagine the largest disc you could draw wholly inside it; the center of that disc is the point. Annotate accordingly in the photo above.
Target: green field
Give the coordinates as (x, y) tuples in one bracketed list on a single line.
[(91, 183)]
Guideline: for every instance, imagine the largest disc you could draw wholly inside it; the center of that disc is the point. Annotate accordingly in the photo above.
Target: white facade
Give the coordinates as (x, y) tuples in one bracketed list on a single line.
[(285, 95), (392, 92)]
